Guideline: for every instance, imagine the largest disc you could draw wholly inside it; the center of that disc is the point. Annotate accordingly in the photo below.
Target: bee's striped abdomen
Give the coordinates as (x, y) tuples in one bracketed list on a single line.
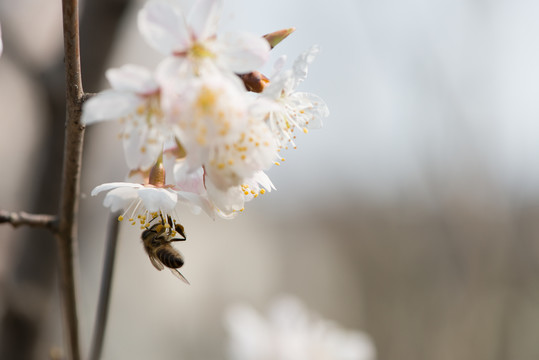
[(169, 257)]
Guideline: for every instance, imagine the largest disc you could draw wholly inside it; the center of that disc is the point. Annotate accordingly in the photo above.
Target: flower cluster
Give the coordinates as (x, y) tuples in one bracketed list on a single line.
[(205, 125)]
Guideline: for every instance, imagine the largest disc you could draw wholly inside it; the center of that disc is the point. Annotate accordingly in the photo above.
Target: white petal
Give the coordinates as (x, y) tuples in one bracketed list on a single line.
[(227, 201), (264, 180), (302, 62), (242, 52), (278, 66), (142, 146), (109, 105), (114, 185), (120, 198), (313, 108), (186, 180), (204, 17), (164, 28), (132, 78), (155, 199), (170, 70)]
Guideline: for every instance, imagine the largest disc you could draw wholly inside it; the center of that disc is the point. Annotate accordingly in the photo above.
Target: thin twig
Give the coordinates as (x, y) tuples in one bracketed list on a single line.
[(74, 133), (104, 291), (35, 220)]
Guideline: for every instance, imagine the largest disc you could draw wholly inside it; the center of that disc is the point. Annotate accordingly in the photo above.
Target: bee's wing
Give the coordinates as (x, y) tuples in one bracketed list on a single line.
[(156, 263), (180, 276)]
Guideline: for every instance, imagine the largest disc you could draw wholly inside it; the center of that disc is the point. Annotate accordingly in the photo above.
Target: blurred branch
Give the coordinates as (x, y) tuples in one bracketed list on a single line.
[(104, 292), (74, 133), (23, 218)]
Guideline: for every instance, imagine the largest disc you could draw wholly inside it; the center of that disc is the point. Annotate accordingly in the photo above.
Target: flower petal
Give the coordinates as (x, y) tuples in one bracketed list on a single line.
[(114, 185), (242, 52), (109, 105), (301, 64), (228, 201), (142, 146), (120, 198), (204, 17), (156, 199), (164, 28), (132, 78)]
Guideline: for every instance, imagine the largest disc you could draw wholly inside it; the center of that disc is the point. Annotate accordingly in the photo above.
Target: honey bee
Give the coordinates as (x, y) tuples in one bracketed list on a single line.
[(157, 241)]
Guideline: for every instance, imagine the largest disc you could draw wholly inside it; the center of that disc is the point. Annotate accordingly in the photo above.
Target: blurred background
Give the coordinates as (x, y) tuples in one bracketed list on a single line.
[(413, 215)]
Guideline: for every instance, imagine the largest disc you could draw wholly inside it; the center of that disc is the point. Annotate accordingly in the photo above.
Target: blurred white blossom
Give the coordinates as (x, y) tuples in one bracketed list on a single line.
[(290, 332)]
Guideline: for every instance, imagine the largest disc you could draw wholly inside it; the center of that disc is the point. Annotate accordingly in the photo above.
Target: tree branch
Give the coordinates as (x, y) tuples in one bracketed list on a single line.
[(74, 133), (104, 292), (23, 218)]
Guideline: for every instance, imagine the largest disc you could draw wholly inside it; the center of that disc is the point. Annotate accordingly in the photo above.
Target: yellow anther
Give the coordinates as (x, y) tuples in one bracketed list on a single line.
[(243, 157), (255, 196), (141, 109), (276, 163), (120, 218), (246, 192), (305, 130), (252, 192), (221, 166), (143, 149), (230, 162), (131, 219), (262, 191)]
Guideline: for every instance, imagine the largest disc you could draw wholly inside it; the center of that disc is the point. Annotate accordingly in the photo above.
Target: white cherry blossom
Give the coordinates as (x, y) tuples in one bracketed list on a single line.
[(194, 39), (144, 203), (134, 100), (289, 110)]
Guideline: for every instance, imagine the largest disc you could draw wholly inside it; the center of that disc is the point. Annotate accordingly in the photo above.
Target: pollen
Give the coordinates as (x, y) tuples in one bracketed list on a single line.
[(143, 149), (141, 109), (262, 191), (120, 218), (221, 166), (305, 130), (277, 163)]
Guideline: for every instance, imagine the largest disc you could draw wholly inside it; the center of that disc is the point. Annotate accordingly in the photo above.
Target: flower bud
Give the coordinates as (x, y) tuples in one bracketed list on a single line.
[(277, 36), (254, 81)]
